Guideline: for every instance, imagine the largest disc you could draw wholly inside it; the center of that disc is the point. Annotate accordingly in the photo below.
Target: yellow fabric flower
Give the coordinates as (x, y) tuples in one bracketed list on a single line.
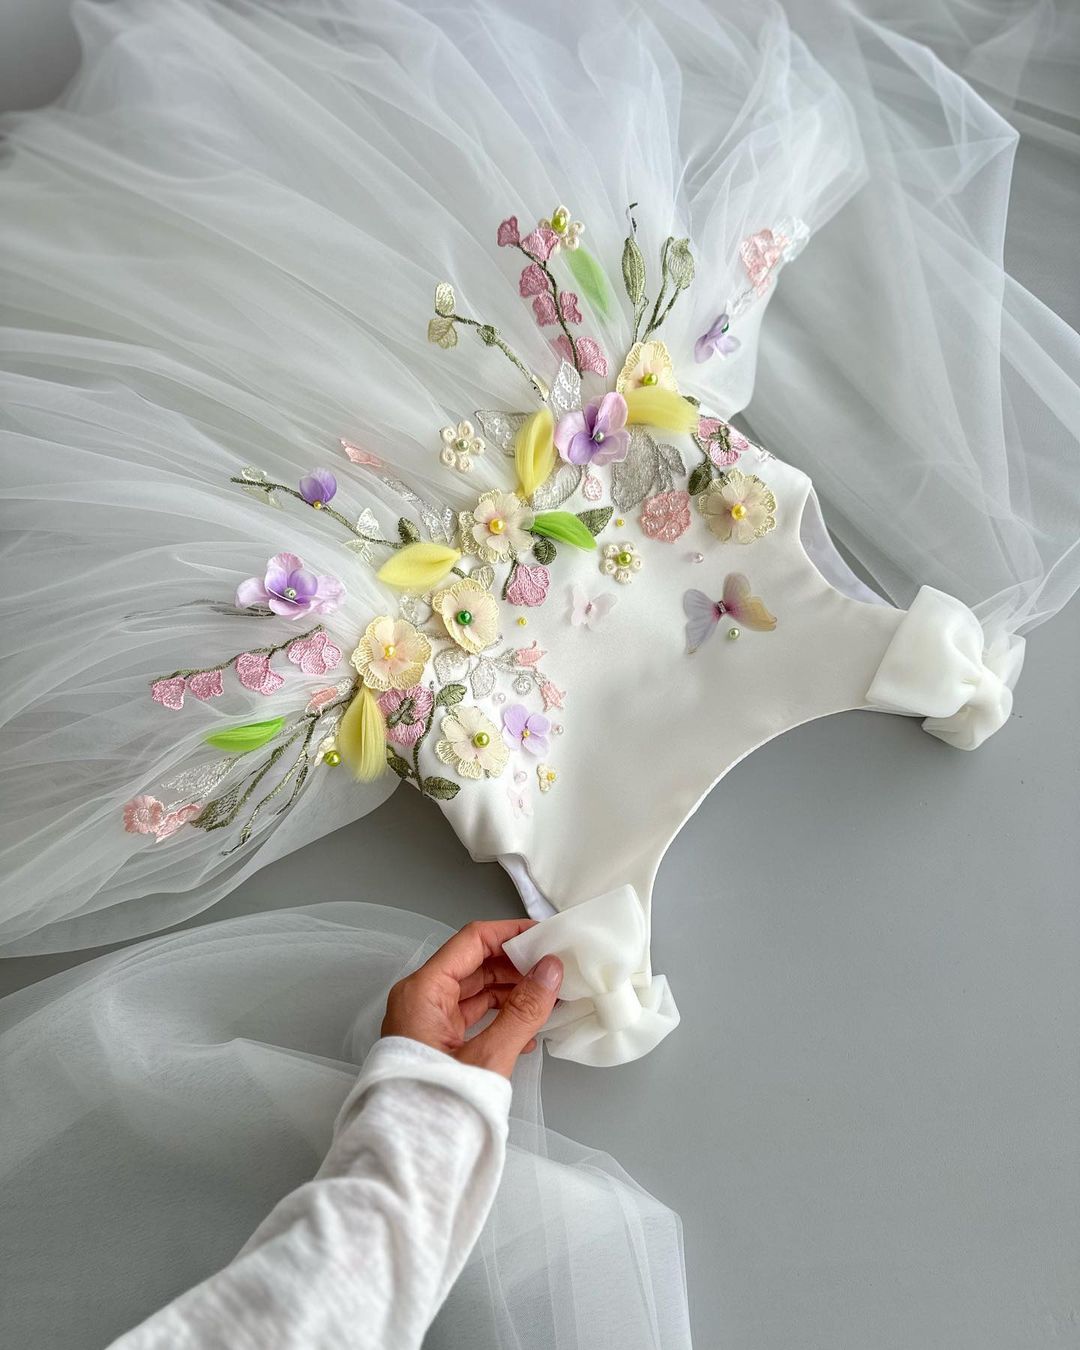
[(391, 654), (470, 614), (472, 745), (647, 366), (498, 527), (738, 507)]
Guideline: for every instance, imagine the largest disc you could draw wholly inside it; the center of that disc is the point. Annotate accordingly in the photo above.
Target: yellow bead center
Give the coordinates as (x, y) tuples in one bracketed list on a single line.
[(481, 739), (332, 758), (559, 222), (497, 525), (738, 511), (526, 733), (389, 650), (649, 378)]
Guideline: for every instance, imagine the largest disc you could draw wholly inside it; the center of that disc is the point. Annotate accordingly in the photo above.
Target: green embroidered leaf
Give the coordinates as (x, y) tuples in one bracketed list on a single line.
[(633, 271), (678, 263), (407, 531), (449, 694), (700, 479), (442, 788), (563, 526), (400, 766), (247, 737), (595, 520), (442, 332), (544, 551), (487, 334), (591, 279), (444, 298), (220, 812)]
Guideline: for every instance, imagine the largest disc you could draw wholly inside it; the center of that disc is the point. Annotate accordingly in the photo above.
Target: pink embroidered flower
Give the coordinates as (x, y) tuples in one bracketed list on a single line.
[(529, 656), (666, 516), (406, 712), (552, 696), (315, 655), (541, 243), (721, 441), (546, 313), (529, 584), (254, 673), (206, 684), (760, 254), (590, 355), (508, 232), (359, 456), (143, 815), (568, 307), (175, 819), (592, 488), (321, 697), (169, 693), (532, 281), (526, 731), (290, 590)]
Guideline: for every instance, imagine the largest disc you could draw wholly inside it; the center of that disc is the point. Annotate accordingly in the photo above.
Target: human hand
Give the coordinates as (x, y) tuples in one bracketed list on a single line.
[(466, 978)]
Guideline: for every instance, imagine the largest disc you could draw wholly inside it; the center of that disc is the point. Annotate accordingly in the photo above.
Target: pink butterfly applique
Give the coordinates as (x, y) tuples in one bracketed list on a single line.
[(704, 613)]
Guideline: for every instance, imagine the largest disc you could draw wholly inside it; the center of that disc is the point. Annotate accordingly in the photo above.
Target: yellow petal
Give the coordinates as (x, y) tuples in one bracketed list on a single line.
[(361, 736), (534, 451), (418, 567), (654, 406)]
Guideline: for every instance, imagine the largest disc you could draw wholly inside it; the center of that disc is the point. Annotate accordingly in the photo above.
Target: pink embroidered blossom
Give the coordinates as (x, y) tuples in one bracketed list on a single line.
[(532, 281), (315, 655), (545, 311), (169, 693), (321, 697), (175, 819), (666, 516), (592, 488), (526, 731), (143, 815), (206, 684), (529, 656), (760, 254), (254, 673), (529, 584), (360, 456), (508, 232), (289, 589), (590, 356), (721, 440), (541, 243), (406, 712), (568, 307), (552, 696)]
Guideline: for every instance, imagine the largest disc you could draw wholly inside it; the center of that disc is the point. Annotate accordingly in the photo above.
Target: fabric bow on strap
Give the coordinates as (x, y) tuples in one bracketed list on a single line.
[(938, 664), (613, 1008)]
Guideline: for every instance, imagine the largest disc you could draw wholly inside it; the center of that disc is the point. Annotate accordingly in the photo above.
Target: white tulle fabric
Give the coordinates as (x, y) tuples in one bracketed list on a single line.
[(162, 1099), (612, 1007), (938, 666)]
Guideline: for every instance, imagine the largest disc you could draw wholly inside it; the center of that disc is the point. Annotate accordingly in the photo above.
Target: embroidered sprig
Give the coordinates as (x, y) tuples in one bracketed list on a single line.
[(676, 274), (252, 669), (442, 332)]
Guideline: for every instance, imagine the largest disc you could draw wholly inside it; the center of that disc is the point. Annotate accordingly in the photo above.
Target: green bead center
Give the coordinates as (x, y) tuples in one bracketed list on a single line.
[(481, 739), (624, 559), (648, 378), (464, 617)]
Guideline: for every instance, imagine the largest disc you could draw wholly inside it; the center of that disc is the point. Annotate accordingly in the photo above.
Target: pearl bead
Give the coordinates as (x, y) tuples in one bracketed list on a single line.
[(732, 633), (500, 698), (738, 511), (317, 505), (521, 777), (481, 739), (497, 525), (556, 729), (697, 557), (389, 650), (290, 592), (464, 617), (332, 758), (649, 378), (598, 437)]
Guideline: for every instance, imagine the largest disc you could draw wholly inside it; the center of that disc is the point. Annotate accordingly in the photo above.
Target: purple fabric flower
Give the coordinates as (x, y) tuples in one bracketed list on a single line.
[(290, 590), (318, 487), (525, 730), (596, 433), (716, 341)]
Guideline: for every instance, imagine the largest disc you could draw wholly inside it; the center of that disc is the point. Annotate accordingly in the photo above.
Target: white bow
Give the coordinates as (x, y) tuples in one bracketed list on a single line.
[(613, 1008), (940, 665)]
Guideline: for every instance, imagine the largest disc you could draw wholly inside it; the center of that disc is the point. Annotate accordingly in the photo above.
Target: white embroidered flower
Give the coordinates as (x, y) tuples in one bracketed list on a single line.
[(461, 445), (391, 654), (568, 232), (546, 777), (620, 561), (471, 744), (647, 366), (738, 507), (498, 528), (470, 614)]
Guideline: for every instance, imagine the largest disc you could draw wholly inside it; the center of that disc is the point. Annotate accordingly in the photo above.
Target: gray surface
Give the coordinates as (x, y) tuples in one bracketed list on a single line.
[(869, 1117)]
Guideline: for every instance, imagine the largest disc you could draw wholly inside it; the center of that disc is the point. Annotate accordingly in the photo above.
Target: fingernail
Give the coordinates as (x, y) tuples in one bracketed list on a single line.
[(548, 971)]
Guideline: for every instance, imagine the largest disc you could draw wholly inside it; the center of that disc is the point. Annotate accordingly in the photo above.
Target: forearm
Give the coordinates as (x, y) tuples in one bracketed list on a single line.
[(364, 1254)]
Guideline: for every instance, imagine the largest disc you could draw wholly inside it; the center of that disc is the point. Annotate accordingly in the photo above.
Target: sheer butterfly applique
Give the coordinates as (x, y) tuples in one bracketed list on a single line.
[(704, 613)]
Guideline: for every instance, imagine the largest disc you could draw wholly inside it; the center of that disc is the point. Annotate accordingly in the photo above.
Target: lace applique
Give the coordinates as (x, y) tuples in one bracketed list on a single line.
[(667, 516), (460, 446), (621, 561), (252, 670), (528, 586), (546, 777), (314, 655), (471, 744), (738, 507)]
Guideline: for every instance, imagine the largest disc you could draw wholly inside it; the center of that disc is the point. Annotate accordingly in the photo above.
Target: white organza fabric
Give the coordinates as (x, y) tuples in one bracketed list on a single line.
[(159, 1101)]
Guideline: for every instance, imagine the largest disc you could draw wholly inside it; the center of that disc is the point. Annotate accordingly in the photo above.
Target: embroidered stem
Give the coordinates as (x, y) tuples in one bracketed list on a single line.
[(326, 510), (490, 337), (254, 651), (533, 258)]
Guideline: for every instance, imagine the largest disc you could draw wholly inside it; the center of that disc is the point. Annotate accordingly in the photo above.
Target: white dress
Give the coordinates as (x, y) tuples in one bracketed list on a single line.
[(260, 239)]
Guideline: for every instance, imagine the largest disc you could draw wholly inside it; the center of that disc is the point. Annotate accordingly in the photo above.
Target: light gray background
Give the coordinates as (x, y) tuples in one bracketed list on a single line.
[(869, 1120)]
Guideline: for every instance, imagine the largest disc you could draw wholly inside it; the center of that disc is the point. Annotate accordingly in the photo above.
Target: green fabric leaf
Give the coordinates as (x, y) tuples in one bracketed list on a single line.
[(594, 521), (563, 526), (247, 737), (700, 479), (449, 694), (407, 531), (442, 788), (544, 551), (591, 279)]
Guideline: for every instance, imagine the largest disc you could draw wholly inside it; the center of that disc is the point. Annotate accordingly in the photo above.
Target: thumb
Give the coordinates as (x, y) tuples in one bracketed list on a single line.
[(520, 1018)]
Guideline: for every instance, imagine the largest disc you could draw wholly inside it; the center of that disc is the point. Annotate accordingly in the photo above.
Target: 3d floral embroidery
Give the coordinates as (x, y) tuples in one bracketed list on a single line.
[(722, 445), (461, 445), (546, 777), (589, 611), (738, 507), (715, 341), (596, 434), (587, 351), (498, 527), (760, 253), (314, 655), (526, 731), (407, 712), (391, 654), (647, 365), (620, 561), (470, 614), (666, 516), (567, 232), (289, 589), (472, 745), (175, 819), (528, 585), (318, 487)]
